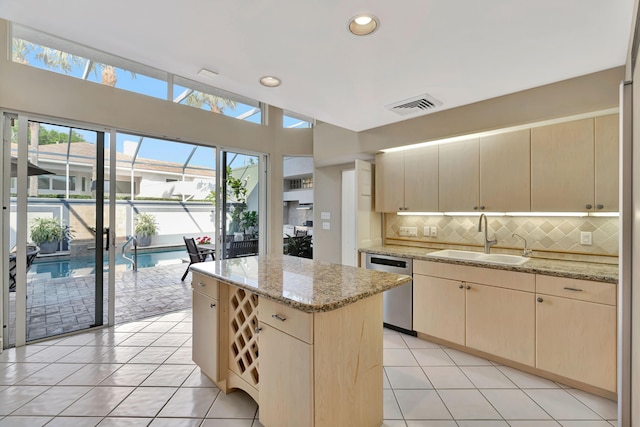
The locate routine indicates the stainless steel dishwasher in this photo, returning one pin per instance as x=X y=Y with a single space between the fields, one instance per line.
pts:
x=398 y=302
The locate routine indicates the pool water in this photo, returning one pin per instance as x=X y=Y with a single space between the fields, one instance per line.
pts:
x=82 y=266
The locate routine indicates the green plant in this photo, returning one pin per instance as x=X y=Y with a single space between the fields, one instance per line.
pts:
x=249 y=221
x=299 y=246
x=236 y=200
x=45 y=230
x=146 y=225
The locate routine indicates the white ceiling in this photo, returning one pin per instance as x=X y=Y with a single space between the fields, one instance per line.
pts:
x=458 y=51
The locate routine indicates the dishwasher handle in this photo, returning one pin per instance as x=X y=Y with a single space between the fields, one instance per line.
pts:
x=389 y=262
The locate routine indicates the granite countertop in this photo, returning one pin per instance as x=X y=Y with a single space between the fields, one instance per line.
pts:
x=304 y=284
x=571 y=269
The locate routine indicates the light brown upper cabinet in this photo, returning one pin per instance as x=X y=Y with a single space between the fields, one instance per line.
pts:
x=459 y=168
x=562 y=167
x=607 y=137
x=407 y=180
x=574 y=166
x=505 y=175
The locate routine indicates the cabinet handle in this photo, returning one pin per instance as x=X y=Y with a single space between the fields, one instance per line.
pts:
x=539 y=299
x=600 y=206
x=573 y=289
x=468 y=287
x=589 y=206
x=258 y=329
x=278 y=317
x=475 y=208
x=481 y=208
x=212 y=305
x=460 y=286
x=202 y=285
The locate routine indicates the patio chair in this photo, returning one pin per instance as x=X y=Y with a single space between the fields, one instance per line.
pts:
x=243 y=248
x=196 y=254
x=32 y=253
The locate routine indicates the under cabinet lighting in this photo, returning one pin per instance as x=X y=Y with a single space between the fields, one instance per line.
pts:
x=474 y=213
x=575 y=214
x=420 y=213
x=604 y=214
x=530 y=214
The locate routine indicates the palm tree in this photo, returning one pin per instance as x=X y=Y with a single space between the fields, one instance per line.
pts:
x=215 y=103
x=54 y=58
x=20 y=50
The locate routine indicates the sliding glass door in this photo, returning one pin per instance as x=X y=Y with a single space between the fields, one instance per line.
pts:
x=241 y=199
x=57 y=237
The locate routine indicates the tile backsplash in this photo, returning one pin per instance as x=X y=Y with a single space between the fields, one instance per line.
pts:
x=549 y=234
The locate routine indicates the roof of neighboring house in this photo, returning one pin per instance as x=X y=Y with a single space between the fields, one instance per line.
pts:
x=85 y=152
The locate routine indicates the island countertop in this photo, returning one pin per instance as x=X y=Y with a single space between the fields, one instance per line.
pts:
x=304 y=284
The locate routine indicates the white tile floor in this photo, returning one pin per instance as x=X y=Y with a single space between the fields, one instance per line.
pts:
x=141 y=374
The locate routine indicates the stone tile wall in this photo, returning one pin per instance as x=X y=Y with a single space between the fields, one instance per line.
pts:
x=550 y=234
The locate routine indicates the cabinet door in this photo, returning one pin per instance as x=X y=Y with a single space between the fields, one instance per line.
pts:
x=458 y=173
x=389 y=174
x=205 y=334
x=562 y=167
x=505 y=174
x=286 y=379
x=577 y=339
x=421 y=179
x=501 y=322
x=438 y=308
x=607 y=163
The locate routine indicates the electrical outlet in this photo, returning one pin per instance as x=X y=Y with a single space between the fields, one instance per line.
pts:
x=409 y=231
x=425 y=231
x=326 y=226
x=434 y=231
x=586 y=238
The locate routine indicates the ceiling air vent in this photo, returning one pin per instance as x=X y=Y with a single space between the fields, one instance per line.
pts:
x=416 y=105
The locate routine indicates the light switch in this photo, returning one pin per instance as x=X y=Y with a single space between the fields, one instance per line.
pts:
x=586 y=238
x=434 y=231
x=326 y=226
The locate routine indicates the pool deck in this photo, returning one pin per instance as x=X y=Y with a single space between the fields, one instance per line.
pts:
x=60 y=305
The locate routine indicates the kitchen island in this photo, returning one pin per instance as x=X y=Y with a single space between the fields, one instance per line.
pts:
x=303 y=338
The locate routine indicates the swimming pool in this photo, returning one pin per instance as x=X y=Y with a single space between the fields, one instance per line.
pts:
x=83 y=266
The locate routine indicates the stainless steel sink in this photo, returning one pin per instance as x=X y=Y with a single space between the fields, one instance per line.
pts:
x=480 y=257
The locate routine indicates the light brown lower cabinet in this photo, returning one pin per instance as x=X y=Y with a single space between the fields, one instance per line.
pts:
x=501 y=322
x=205 y=336
x=286 y=379
x=439 y=308
x=577 y=339
x=560 y=326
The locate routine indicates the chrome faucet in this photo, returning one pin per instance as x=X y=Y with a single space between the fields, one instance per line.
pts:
x=487 y=242
x=525 y=251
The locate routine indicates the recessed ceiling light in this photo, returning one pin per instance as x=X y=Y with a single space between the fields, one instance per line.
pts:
x=362 y=25
x=207 y=73
x=270 y=81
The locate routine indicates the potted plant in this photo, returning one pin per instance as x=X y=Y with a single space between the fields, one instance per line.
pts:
x=301 y=246
x=47 y=233
x=249 y=223
x=145 y=227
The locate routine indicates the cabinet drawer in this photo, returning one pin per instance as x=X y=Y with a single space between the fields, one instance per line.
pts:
x=485 y=276
x=204 y=284
x=584 y=290
x=286 y=319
